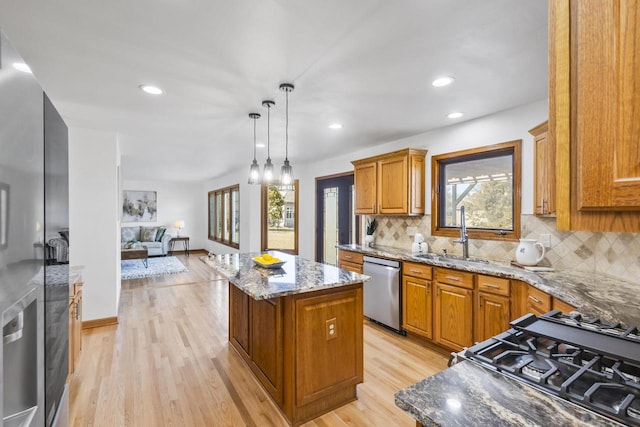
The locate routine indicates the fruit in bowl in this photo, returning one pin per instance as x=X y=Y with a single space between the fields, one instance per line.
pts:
x=266 y=259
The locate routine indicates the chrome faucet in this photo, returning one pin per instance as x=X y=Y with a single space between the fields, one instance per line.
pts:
x=464 y=238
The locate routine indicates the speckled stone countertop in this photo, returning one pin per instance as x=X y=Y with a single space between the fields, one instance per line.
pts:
x=469 y=395
x=593 y=295
x=297 y=275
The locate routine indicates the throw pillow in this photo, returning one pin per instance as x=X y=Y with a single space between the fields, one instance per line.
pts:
x=148 y=234
x=160 y=233
x=131 y=244
x=128 y=234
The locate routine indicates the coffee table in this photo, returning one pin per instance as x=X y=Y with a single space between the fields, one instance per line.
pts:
x=136 y=253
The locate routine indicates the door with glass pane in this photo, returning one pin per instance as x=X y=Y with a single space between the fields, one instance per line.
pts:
x=336 y=222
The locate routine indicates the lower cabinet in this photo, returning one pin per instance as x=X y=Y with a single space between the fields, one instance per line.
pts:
x=351 y=261
x=492 y=315
x=453 y=316
x=417 y=306
x=75 y=327
x=305 y=349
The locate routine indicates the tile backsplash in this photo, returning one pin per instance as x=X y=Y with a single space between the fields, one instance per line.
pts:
x=613 y=254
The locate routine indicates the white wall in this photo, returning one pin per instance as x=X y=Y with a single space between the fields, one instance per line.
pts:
x=500 y=127
x=176 y=200
x=94 y=157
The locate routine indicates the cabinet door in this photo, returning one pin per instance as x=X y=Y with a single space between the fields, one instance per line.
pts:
x=266 y=344
x=541 y=174
x=393 y=186
x=493 y=315
x=538 y=302
x=239 y=319
x=605 y=36
x=365 y=182
x=417 y=306
x=594 y=113
x=77 y=329
x=454 y=316
x=72 y=324
x=417 y=201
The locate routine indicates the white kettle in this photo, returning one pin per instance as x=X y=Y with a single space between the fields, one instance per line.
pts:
x=527 y=254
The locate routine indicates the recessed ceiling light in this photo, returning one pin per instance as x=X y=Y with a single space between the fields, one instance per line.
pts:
x=443 y=81
x=153 y=90
x=335 y=126
x=21 y=66
x=455 y=115
x=260 y=145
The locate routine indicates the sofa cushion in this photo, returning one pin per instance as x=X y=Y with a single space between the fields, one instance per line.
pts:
x=128 y=234
x=148 y=234
x=151 y=245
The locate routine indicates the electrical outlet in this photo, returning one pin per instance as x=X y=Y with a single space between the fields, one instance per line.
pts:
x=412 y=231
x=545 y=239
x=330 y=329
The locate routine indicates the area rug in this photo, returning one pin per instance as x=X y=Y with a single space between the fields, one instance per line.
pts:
x=135 y=269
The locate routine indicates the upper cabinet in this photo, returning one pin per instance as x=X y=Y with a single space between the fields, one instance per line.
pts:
x=544 y=199
x=391 y=184
x=594 y=113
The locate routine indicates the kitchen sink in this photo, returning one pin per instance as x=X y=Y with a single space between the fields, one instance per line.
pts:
x=450 y=256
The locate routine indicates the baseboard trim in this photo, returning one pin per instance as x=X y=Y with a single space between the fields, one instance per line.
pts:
x=96 y=323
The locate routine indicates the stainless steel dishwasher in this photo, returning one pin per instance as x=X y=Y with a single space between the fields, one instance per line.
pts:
x=382 y=292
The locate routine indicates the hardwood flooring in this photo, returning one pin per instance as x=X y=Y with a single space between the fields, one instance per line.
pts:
x=168 y=363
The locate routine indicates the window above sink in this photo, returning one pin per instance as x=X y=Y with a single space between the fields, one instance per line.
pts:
x=487 y=182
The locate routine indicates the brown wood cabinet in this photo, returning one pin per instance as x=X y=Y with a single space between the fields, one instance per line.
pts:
x=305 y=349
x=391 y=184
x=351 y=261
x=594 y=113
x=494 y=310
x=75 y=324
x=417 y=299
x=544 y=201
x=453 y=308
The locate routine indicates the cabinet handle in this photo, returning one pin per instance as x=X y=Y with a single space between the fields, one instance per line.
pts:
x=491 y=285
x=454 y=278
x=273 y=303
x=416 y=271
x=534 y=299
x=348 y=256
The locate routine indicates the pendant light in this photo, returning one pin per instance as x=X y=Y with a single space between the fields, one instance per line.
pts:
x=267 y=175
x=254 y=170
x=286 y=173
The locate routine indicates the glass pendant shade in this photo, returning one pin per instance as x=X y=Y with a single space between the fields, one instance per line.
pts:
x=286 y=173
x=254 y=170
x=254 y=173
x=267 y=175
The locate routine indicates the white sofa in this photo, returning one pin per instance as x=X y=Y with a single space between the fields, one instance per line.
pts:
x=156 y=242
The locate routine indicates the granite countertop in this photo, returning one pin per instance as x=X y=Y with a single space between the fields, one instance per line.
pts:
x=297 y=275
x=469 y=395
x=593 y=295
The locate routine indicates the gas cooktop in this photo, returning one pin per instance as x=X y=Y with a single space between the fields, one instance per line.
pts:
x=585 y=361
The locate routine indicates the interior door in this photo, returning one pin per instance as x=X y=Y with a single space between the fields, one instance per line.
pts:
x=336 y=222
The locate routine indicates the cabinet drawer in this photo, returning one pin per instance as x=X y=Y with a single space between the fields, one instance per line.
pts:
x=413 y=269
x=346 y=265
x=494 y=285
x=352 y=257
x=538 y=301
x=454 y=277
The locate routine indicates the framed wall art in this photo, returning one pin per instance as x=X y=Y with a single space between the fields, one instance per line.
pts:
x=139 y=206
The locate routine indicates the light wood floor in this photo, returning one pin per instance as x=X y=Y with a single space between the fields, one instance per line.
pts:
x=168 y=363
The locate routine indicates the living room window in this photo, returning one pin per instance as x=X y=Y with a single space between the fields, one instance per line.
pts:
x=224 y=216
x=486 y=181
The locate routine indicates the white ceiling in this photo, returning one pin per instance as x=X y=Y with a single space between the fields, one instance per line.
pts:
x=367 y=64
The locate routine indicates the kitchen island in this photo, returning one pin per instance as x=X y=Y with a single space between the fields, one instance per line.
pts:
x=299 y=328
